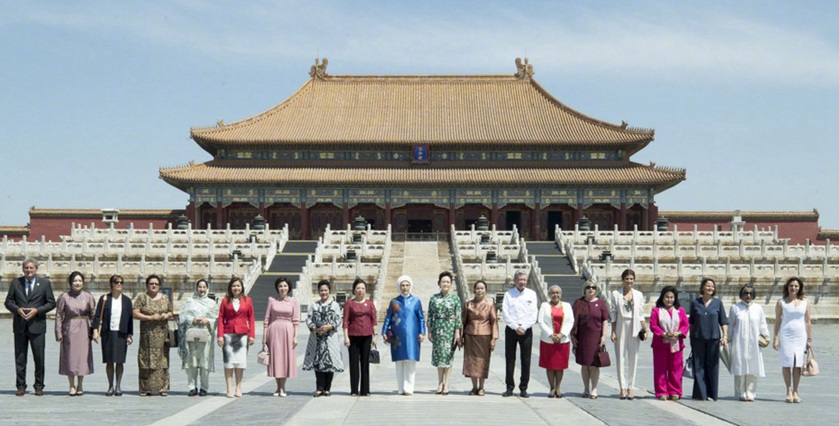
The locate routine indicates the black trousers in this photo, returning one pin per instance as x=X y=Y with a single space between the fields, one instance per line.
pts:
x=22 y=343
x=706 y=368
x=360 y=357
x=324 y=380
x=525 y=343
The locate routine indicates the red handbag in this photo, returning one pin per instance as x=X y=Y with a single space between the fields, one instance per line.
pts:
x=601 y=357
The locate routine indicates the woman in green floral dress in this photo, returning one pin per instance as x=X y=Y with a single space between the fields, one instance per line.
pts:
x=444 y=324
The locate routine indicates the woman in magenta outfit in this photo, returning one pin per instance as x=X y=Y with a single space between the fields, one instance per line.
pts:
x=281 y=319
x=669 y=326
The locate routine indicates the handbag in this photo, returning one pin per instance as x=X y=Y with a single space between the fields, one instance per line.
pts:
x=198 y=334
x=811 y=367
x=642 y=334
x=174 y=336
x=262 y=358
x=601 y=357
x=374 y=357
x=725 y=357
x=687 y=371
x=762 y=341
x=101 y=314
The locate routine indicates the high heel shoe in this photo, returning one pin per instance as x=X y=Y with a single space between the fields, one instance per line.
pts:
x=795 y=398
x=110 y=391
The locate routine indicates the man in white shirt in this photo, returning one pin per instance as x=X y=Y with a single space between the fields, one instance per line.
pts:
x=520 y=310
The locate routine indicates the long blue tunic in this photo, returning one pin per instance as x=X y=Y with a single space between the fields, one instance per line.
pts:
x=405 y=323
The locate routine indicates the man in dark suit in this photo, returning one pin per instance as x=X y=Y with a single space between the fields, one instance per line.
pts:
x=29 y=299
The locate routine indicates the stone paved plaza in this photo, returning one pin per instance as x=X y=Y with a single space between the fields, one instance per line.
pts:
x=258 y=407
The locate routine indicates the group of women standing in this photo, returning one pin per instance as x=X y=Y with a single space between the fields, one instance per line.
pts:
x=743 y=332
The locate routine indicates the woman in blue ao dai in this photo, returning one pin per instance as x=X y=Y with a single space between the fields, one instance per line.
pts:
x=404 y=331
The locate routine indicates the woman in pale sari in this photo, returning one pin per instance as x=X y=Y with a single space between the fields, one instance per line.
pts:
x=199 y=313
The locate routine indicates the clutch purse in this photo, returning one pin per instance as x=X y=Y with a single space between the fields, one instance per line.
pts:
x=262 y=356
x=642 y=334
x=762 y=341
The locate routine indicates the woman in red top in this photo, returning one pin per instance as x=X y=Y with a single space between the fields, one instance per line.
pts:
x=359 y=335
x=235 y=324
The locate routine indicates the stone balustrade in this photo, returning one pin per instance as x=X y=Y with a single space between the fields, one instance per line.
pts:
x=675 y=236
x=92 y=233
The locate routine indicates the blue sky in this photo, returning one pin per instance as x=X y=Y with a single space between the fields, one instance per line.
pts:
x=96 y=96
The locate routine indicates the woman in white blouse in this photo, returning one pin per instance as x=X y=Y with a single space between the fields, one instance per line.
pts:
x=555 y=321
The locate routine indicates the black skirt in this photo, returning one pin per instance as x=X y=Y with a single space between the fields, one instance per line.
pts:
x=114 y=347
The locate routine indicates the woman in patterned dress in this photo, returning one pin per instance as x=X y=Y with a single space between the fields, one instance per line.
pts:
x=323 y=352
x=444 y=324
x=153 y=310
x=73 y=315
x=198 y=358
x=480 y=331
x=280 y=335
x=404 y=330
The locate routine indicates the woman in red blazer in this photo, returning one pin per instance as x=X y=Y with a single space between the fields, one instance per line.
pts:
x=235 y=323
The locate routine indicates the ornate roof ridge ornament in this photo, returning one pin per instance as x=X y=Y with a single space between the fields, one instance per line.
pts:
x=318 y=70
x=524 y=70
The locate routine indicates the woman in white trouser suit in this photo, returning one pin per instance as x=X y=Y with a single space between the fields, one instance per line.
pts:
x=626 y=310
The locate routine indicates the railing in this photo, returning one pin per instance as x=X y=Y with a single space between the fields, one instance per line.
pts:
x=674 y=236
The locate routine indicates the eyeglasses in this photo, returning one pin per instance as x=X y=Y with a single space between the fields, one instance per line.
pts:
x=591 y=287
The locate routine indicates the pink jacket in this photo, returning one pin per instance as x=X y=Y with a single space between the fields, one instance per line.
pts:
x=658 y=331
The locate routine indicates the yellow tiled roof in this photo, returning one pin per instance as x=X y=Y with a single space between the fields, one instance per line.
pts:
x=632 y=174
x=488 y=109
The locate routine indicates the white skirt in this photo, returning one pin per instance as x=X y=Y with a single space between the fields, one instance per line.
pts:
x=235 y=351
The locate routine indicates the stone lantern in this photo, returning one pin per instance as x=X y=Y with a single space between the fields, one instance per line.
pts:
x=662 y=224
x=584 y=224
x=182 y=222
x=482 y=226
x=258 y=223
x=358 y=228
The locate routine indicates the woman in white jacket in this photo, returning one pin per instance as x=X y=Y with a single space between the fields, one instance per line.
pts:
x=746 y=326
x=556 y=321
x=626 y=309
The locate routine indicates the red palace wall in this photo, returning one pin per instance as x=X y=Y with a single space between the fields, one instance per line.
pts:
x=798 y=231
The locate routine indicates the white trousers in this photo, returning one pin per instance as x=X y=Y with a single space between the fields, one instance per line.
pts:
x=192 y=376
x=406 y=372
x=745 y=386
x=626 y=353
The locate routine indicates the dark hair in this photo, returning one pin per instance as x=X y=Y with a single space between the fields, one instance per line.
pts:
x=320 y=284
x=626 y=273
x=445 y=274
x=474 y=286
x=200 y=280
x=154 y=276
x=73 y=275
x=281 y=279
x=668 y=289
x=748 y=286
x=800 y=294
x=705 y=281
x=357 y=282
x=230 y=289
x=114 y=278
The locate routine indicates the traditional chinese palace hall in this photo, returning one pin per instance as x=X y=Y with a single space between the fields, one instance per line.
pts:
x=422 y=153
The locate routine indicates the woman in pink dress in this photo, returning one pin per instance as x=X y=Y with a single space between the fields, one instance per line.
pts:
x=669 y=325
x=280 y=336
x=73 y=315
